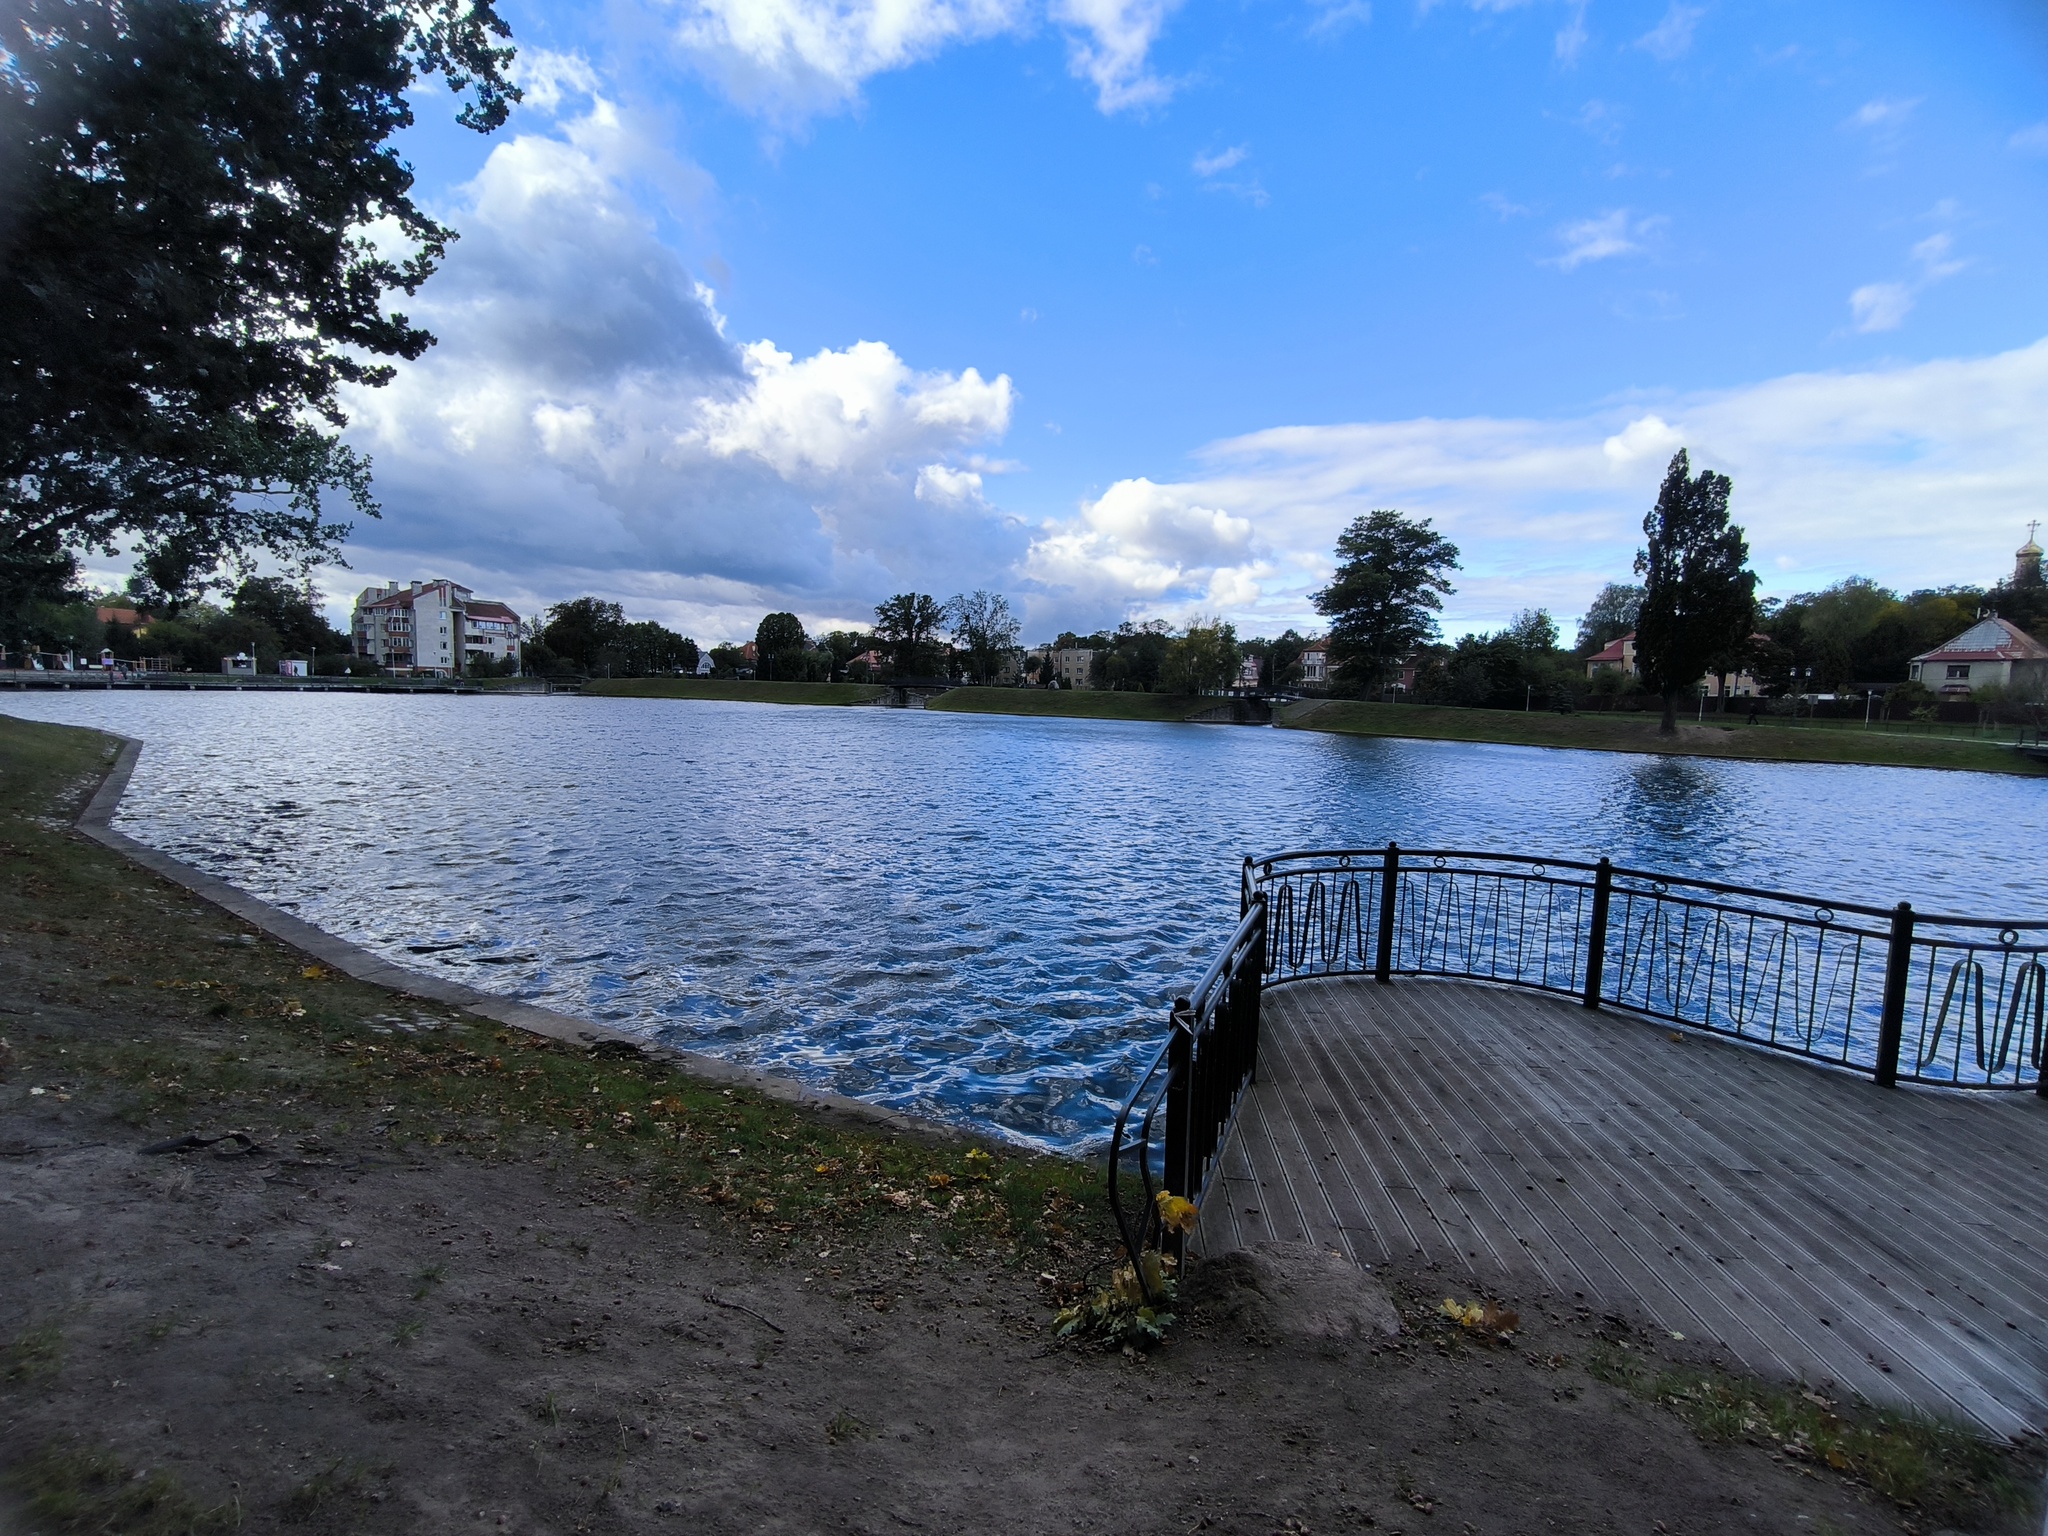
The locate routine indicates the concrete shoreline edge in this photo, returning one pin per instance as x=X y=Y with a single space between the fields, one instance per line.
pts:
x=96 y=822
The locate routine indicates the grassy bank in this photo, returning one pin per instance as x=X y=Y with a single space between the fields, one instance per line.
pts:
x=732 y=690
x=248 y=1026
x=1073 y=703
x=1639 y=733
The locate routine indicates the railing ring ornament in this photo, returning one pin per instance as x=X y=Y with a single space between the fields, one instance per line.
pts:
x=1343 y=861
x=2008 y=937
x=1823 y=915
x=1661 y=887
x=1440 y=862
x=1539 y=869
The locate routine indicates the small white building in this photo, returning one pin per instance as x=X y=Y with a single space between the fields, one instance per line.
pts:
x=1315 y=663
x=289 y=668
x=241 y=664
x=1992 y=652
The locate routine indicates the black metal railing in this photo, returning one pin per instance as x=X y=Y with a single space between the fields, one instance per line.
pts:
x=1956 y=1002
x=1170 y=1132
x=1903 y=996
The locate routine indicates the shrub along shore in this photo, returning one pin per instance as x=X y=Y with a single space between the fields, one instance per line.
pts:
x=1769 y=740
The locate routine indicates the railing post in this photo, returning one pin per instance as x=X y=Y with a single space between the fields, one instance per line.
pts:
x=1596 y=937
x=1180 y=1084
x=1898 y=966
x=1390 y=875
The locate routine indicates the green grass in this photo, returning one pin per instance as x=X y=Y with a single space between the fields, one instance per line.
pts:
x=250 y=1033
x=1919 y=1463
x=1076 y=703
x=1639 y=733
x=71 y=1488
x=742 y=690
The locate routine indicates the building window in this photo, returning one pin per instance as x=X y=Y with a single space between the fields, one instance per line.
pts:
x=1959 y=672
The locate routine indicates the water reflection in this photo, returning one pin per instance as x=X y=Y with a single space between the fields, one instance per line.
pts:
x=977 y=917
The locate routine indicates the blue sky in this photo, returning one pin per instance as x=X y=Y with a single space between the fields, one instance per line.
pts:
x=1125 y=307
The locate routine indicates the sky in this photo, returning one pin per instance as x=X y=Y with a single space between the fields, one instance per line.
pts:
x=1126 y=307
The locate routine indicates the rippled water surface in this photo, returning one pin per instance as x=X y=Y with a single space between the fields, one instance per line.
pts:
x=971 y=916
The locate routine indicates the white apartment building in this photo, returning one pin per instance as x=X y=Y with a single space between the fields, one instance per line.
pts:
x=432 y=628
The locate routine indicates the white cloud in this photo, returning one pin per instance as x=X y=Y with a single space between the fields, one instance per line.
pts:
x=1108 y=44
x=1222 y=160
x=1603 y=237
x=2031 y=140
x=1572 y=37
x=796 y=56
x=1154 y=543
x=1880 y=306
x=585 y=423
x=1835 y=474
x=1502 y=207
x=1884 y=306
x=1671 y=38
x=789 y=59
x=1335 y=17
x=1882 y=113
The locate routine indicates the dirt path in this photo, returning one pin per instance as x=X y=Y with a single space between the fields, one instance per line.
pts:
x=474 y=1283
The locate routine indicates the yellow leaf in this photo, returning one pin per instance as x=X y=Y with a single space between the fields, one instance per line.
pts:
x=1175 y=1214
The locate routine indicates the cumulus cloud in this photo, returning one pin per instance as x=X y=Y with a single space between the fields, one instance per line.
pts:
x=586 y=421
x=1671 y=38
x=789 y=59
x=1109 y=43
x=2032 y=140
x=1882 y=112
x=1156 y=544
x=1222 y=160
x=1835 y=474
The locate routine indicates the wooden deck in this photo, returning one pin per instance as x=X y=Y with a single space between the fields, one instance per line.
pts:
x=1893 y=1243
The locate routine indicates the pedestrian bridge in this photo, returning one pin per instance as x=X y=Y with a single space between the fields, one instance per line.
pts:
x=1697 y=1126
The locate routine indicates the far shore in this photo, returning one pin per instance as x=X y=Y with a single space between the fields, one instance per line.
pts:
x=1770 y=740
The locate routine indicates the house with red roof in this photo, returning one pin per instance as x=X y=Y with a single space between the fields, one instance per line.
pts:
x=1992 y=652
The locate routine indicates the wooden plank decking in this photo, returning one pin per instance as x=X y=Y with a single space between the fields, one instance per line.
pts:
x=1893 y=1243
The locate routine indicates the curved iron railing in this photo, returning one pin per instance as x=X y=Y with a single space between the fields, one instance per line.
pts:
x=1196 y=1081
x=1956 y=1001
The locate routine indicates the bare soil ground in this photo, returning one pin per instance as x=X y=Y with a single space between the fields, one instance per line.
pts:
x=469 y=1282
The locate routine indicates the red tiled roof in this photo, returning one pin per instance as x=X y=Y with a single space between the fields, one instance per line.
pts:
x=1614 y=651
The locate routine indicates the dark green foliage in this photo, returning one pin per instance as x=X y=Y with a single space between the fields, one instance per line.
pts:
x=986 y=630
x=1699 y=596
x=590 y=635
x=1613 y=613
x=779 y=645
x=297 y=623
x=1392 y=577
x=184 y=281
x=582 y=629
x=908 y=625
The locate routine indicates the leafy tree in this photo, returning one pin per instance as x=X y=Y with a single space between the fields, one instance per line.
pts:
x=290 y=613
x=727 y=660
x=1613 y=614
x=185 y=277
x=33 y=575
x=1392 y=577
x=908 y=624
x=986 y=628
x=648 y=649
x=779 y=642
x=1532 y=631
x=1699 y=597
x=582 y=630
x=1203 y=659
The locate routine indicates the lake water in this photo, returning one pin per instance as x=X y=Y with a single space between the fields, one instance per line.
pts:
x=974 y=917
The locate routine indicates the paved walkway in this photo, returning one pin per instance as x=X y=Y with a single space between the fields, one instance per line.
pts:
x=1893 y=1243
